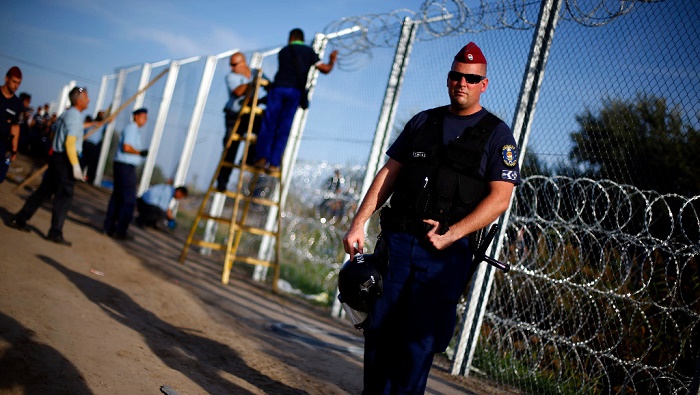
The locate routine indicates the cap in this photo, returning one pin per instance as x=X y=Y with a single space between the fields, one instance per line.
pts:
x=140 y=111
x=14 y=71
x=471 y=53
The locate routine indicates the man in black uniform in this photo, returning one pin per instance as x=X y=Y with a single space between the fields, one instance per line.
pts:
x=287 y=93
x=10 y=109
x=451 y=172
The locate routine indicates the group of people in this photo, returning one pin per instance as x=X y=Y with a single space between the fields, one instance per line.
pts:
x=35 y=128
x=450 y=173
x=22 y=130
x=65 y=167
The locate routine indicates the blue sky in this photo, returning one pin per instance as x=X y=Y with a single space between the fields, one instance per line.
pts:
x=54 y=42
x=82 y=40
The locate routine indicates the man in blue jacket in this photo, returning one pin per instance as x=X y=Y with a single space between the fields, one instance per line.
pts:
x=154 y=205
x=130 y=154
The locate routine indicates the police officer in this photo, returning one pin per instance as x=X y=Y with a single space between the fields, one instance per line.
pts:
x=10 y=109
x=129 y=154
x=63 y=169
x=450 y=173
x=154 y=205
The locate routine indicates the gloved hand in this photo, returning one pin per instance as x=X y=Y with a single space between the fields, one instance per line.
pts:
x=143 y=152
x=77 y=172
x=172 y=224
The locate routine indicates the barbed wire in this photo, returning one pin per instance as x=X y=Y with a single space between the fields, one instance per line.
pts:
x=601 y=281
x=440 y=18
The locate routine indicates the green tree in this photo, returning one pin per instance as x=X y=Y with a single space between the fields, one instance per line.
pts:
x=643 y=142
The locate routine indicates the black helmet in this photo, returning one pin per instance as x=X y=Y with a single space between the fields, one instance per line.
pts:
x=359 y=284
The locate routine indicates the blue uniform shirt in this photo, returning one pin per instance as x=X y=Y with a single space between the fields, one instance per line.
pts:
x=159 y=196
x=499 y=161
x=233 y=81
x=131 y=136
x=96 y=137
x=70 y=123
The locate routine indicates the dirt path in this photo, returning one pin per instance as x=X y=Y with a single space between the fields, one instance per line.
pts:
x=124 y=317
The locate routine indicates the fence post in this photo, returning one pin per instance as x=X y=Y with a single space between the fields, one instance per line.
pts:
x=386 y=116
x=109 y=131
x=101 y=93
x=159 y=125
x=695 y=385
x=529 y=91
x=196 y=120
x=191 y=137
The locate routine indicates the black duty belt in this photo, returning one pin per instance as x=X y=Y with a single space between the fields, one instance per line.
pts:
x=392 y=222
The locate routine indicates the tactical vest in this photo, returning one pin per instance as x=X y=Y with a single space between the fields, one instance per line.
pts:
x=439 y=181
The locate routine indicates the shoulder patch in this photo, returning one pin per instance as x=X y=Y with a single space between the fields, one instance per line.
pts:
x=510 y=155
x=510 y=175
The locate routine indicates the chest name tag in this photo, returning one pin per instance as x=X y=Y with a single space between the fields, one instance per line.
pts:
x=419 y=154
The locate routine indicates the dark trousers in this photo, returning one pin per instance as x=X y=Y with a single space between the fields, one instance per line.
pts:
x=416 y=315
x=4 y=150
x=149 y=215
x=58 y=180
x=91 y=155
x=230 y=121
x=282 y=103
x=120 y=211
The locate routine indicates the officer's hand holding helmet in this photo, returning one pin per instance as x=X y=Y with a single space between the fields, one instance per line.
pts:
x=359 y=285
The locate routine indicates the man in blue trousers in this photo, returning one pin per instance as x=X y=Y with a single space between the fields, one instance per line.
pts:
x=130 y=154
x=450 y=173
x=286 y=94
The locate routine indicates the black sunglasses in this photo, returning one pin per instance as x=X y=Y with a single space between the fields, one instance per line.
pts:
x=456 y=76
x=233 y=64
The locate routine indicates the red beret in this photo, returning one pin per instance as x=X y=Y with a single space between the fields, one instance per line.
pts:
x=471 y=53
x=14 y=71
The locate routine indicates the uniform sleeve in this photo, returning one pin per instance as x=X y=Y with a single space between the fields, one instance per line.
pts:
x=130 y=136
x=502 y=161
x=231 y=82
x=75 y=125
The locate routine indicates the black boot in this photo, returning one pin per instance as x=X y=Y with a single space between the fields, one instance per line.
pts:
x=57 y=237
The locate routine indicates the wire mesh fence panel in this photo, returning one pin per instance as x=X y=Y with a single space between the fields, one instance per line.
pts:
x=177 y=121
x=603 y=296
x=130 y=88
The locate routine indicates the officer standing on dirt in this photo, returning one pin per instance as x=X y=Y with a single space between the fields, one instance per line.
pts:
x=130 y=154
x=62 y=172
x=450 y=173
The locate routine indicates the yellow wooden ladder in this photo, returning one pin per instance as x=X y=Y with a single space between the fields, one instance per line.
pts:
x=241 y=201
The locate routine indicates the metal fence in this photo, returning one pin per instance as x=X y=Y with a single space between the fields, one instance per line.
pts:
x=603 y=98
